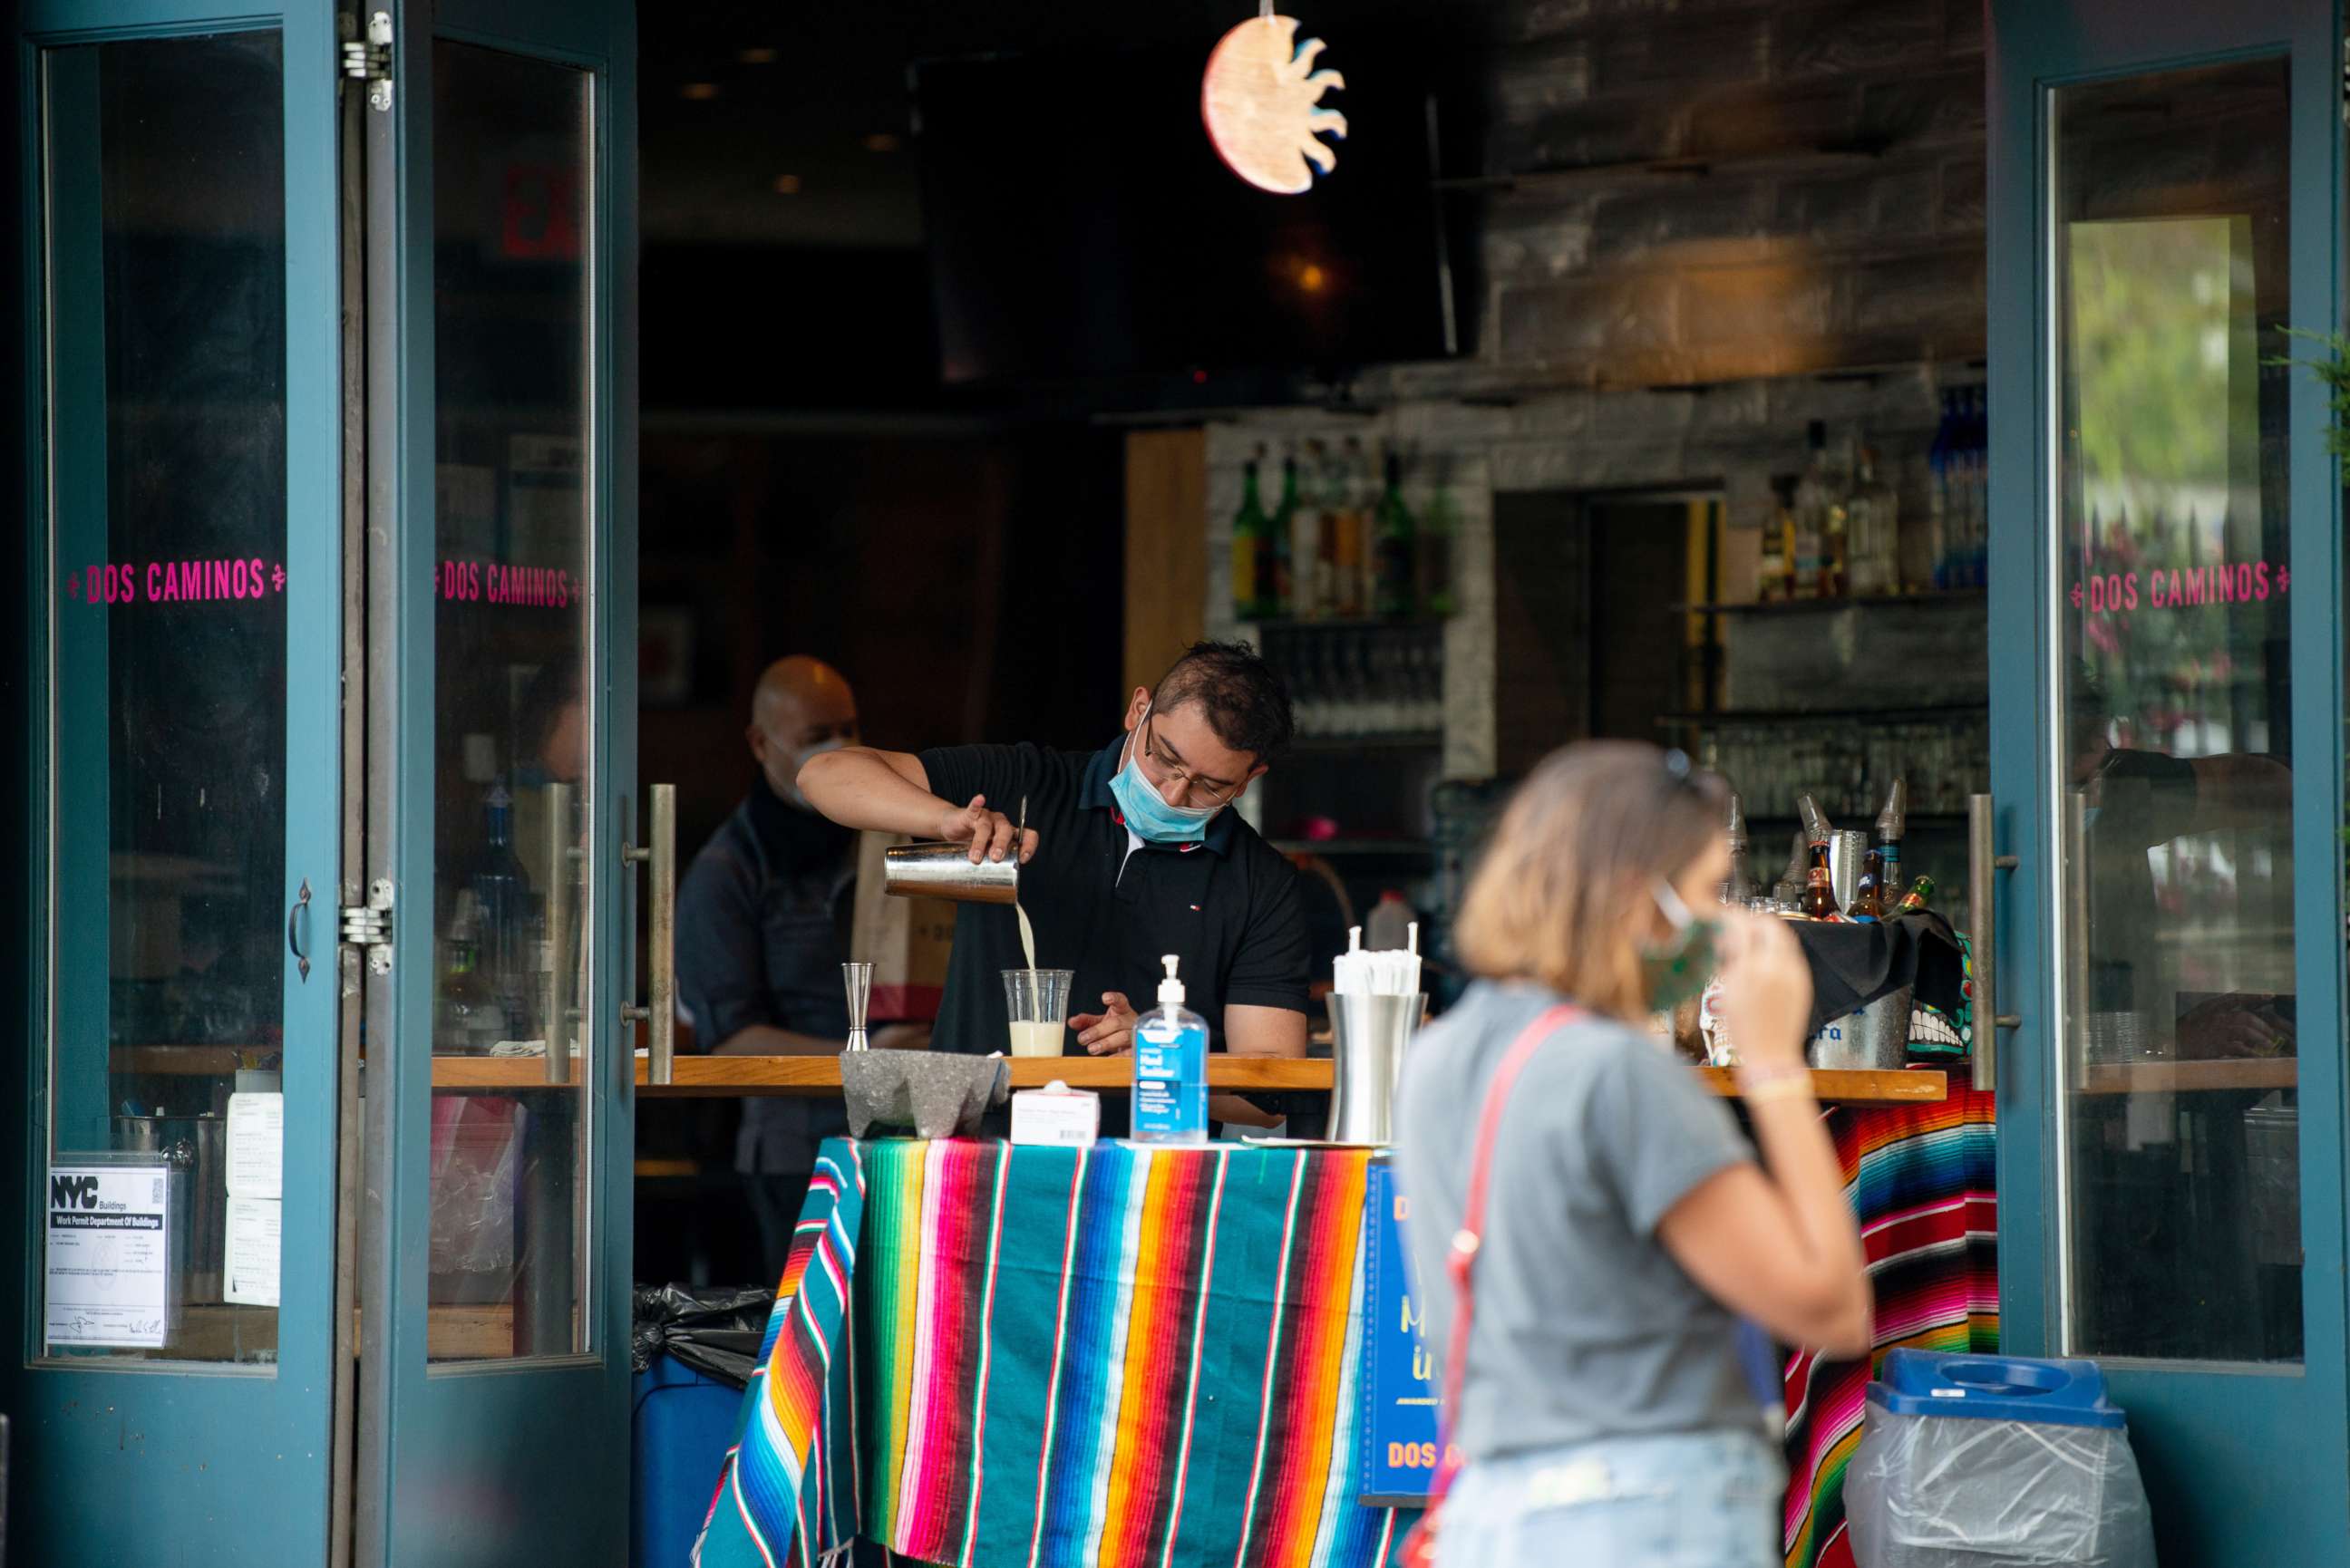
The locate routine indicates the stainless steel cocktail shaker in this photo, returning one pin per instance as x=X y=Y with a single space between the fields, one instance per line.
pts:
x=946 y=871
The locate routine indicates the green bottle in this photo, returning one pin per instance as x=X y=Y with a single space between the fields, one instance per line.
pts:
x=1439 y=525
x=1284 y=521
x=1393 y=536
x=1252 y=551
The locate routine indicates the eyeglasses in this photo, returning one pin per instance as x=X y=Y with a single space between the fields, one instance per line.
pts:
x=1217 y=792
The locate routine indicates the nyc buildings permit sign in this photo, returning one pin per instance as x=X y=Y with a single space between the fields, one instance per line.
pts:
x=1398 y=1377
x=109 y=1263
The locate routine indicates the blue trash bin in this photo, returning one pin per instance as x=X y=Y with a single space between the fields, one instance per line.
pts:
x=1984 y=1461
x=684 y=1420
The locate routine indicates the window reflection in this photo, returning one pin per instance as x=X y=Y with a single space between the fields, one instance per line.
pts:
x=166 y=342
x=2181 y=1114
x=513 y=748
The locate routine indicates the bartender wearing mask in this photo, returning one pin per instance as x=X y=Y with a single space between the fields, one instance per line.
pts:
x=762 y=930
x=1132 y=852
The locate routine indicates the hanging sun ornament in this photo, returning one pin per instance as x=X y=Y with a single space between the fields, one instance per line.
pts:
x=1260 y=99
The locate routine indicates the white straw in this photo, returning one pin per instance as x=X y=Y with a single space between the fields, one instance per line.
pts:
x=1411 y=938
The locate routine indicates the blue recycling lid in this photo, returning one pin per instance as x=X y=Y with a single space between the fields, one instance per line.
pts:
x=1995 y=1388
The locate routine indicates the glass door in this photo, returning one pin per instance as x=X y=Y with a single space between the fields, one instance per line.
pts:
x=2166 y=678
x=183 y=449
x=495 y=1422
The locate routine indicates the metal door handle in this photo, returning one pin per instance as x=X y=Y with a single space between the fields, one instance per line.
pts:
x=660 y=1012
x=297 y=923
x=662 y=994
x=560 y=858
x=1982 y=912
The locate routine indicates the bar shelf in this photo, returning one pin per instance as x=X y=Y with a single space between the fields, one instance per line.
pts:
x=2240 y=1075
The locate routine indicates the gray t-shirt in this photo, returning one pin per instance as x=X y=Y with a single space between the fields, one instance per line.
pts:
x=1585 y=1326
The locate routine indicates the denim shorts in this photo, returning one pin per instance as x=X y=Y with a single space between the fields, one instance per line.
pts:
x=1688 y=1500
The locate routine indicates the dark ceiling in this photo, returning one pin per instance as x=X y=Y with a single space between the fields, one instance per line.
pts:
x=818 y=92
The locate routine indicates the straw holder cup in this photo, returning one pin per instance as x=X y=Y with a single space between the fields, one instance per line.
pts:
x=945 y=871
x=1367 y=1037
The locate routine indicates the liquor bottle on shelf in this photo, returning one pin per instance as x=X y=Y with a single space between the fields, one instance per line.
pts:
x=1740 y=886
x=1308 y=598
x=1394 y=537
x=1836 y=532
x=1326 y=591
x=1960 y=500
x=1251 y=548
x=1439 y=525
x=1774 y=578
x=1920 y=894
x=1819 y=892
x=1346 y=537
x=1820 y=521
x=509 y=948
x=1284 y=523
x=1874 y=531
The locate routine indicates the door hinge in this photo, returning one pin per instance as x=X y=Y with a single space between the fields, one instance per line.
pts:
x=367 y=926
x=368 y=60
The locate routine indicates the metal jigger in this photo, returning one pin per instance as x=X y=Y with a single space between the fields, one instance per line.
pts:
x=858 y=980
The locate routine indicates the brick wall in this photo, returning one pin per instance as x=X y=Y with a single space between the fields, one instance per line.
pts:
x=1701 y=226
x=1712 y=190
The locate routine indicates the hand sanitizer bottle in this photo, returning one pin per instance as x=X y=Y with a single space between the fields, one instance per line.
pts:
x=1171 y=1069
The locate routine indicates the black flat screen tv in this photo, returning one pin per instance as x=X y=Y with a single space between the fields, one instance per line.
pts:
x=1081 y=226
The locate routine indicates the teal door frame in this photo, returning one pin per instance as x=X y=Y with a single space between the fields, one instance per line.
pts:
x=114 y=1460
x=482 y=1463
x=2244 y=1464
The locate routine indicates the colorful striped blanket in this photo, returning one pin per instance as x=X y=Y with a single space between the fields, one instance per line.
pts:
x=989 y=1355
x=1923 y=1181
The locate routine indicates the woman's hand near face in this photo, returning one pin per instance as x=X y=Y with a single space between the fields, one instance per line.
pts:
x=1778 y=1243
x=1766 y=988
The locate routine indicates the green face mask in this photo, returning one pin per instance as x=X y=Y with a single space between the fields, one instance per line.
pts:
x=1678 y=968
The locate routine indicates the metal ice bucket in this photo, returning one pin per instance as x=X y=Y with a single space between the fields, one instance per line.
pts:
x=1368 y=1038
x=945 y=871
x=1875 y=1038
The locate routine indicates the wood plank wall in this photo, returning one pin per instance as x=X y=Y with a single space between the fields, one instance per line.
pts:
x=1166 y=549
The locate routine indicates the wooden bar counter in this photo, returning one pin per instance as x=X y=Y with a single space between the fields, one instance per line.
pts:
x=728 y=1077
x=731 y=1076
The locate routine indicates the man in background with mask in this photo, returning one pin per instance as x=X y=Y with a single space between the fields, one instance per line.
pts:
x=1132 y=852
x=763 y=917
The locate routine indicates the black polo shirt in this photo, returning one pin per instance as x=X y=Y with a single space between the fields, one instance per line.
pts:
x=1228 y=907
x=761 y=930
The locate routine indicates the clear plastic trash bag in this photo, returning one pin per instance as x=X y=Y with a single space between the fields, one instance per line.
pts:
x=1934 y=1492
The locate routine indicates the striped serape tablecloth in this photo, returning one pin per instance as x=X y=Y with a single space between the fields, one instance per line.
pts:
x=1923 y=1180
x=989 y=1355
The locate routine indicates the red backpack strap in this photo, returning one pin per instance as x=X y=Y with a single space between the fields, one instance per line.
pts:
x=1472 y=1234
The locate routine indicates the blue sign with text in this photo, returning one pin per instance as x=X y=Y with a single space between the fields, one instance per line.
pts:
x=1398 y=1376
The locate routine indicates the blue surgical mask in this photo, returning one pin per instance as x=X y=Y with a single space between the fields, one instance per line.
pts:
x=1146 y=811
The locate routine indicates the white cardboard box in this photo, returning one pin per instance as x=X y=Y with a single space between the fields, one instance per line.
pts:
x=1056 y=1116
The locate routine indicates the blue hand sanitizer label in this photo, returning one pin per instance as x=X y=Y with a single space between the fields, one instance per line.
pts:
x=1170 y=1079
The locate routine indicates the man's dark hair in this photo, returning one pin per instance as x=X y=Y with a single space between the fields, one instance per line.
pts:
x=1244 y=698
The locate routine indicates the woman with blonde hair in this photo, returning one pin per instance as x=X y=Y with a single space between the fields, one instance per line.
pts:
x=1596 y=1397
